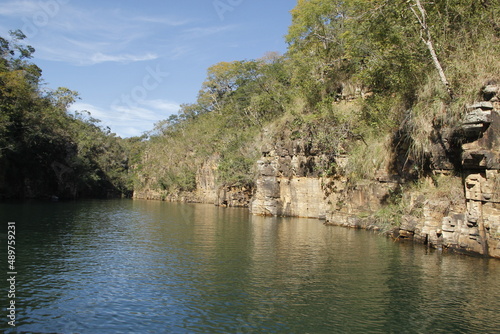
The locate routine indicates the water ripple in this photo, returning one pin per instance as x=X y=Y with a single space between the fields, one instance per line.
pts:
x=151 y=267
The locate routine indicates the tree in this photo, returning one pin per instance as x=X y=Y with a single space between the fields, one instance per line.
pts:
x=316 y=47
x=43 y=149
x=253 y=90
x=426 y=37
x=222 y=80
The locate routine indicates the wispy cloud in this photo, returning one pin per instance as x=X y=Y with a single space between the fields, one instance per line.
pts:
x=124 y=58
x=83 y=36
x=19 y=8
x=86 y=36
x=128 y=121
x=86 y=57
x=162 y=105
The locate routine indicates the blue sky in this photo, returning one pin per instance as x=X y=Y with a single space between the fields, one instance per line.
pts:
x=134 y=62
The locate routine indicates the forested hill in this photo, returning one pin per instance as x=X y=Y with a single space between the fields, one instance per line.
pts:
x=44 y=150
x=356 y=73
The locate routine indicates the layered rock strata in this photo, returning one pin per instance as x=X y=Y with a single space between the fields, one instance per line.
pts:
x=473 y=226
x=288 y=182
x=208 y=190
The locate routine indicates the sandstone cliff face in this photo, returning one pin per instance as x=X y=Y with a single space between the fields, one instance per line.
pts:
x=208 y=190
x=288 y=184
x=474 y=225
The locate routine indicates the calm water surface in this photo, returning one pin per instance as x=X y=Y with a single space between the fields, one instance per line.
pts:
x=152 y=267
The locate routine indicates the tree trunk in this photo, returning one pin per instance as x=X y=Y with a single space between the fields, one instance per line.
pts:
x=428 y=42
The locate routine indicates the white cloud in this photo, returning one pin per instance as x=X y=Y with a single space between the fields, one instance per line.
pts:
x=66 y=31
x=163 y=105
x=124 y=58
x=61 y=31
x=83 y=57
x=128 y=121
x=19 y=8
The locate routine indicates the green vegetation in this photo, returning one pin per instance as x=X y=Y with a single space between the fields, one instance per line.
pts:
x=443 y=191
x=360 y=77
x=367 y=79
x=237 y=99
x=44 y=150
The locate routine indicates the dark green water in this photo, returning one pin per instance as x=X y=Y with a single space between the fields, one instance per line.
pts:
x=153 y=267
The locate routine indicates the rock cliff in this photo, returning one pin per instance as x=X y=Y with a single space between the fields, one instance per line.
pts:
x=208 y=190
x=288 y=184
x=290 y=181
x=473 y=225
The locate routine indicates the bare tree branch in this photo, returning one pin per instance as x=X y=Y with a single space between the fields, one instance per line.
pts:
x=421 y=17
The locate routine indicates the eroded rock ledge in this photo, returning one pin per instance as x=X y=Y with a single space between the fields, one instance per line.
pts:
x=288 y=182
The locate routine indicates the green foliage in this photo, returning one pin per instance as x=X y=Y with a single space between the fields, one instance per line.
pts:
x=44 y=150
x=377 y=47
x=356 y=72
x=368 y=43
x=236 y=100
x=182 y=180
x=236 y=170
x=254 y=90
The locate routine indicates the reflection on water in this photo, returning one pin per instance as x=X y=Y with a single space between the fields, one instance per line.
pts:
x=154 y=267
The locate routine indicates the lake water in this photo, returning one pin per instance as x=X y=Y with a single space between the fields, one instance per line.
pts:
x=126 y=266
